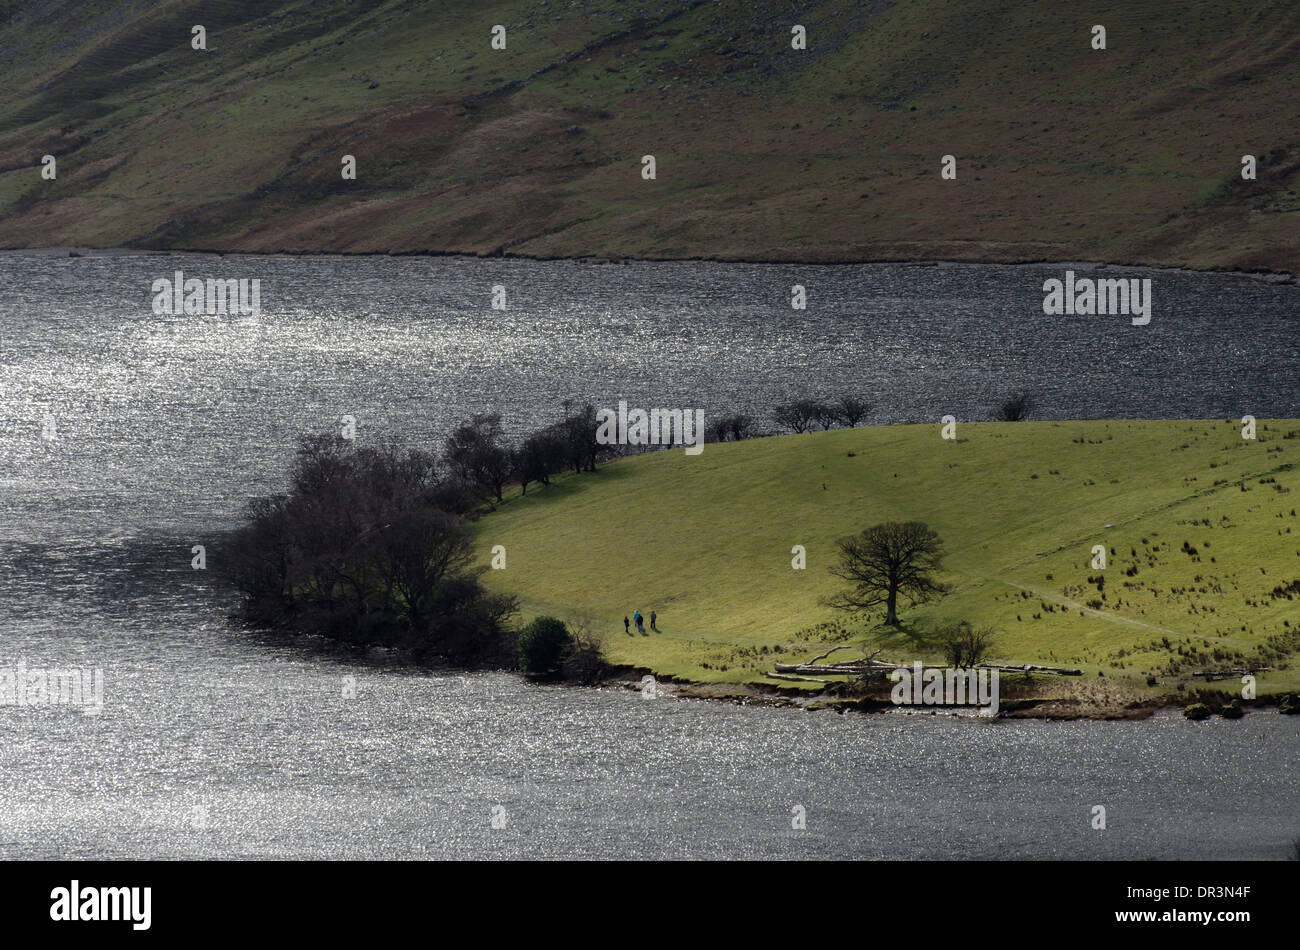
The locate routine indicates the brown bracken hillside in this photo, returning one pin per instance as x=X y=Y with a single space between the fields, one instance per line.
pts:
x=1131 y=154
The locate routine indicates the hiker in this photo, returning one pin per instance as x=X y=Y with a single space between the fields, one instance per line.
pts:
x=627 y=627
x=640 y=622
x=653 y=618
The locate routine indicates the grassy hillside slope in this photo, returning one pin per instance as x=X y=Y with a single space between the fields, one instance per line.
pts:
x=1131 y=154
x=1201 y=526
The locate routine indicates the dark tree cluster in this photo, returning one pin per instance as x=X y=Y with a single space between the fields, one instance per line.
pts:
x=483 y=463
x=372 y=547
x=803 y=415
x=731 y=428
x=367 y=549
x=1014 y=408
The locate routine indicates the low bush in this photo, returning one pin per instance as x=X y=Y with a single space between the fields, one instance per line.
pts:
x=543 y=646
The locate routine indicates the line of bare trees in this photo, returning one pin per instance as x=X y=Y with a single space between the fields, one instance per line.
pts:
x=483 y=462
x=800 y=415
x=804 y=415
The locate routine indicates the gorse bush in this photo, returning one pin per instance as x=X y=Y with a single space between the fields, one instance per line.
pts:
x=543 y=646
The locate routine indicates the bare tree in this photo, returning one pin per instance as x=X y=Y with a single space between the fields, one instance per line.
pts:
x=539 y=457
x=887 y=560
x=476 y=453
x=416 y=554
x=797 y=416
x=826 y=415
x=965 y=646
x=583 y=661
x=715 y=431
x=850 y=411
x=578 y=432
x=730 y=428
x=1015 y=408
x=740 y=426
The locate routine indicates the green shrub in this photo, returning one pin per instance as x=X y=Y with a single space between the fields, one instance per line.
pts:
x=1197 y=711
x=543 y=645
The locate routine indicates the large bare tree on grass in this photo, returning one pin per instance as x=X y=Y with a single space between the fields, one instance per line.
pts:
x=886 y=561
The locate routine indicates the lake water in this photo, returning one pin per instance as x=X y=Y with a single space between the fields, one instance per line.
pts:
x=215 y=743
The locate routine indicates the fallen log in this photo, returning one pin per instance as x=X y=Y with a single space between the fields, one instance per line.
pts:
x=797 y=679
x=1030 y=668
x=1215 y=674
x=865 y=667
x=838 y=669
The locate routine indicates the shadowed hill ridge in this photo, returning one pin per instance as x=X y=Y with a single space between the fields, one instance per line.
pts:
x=1129 y=154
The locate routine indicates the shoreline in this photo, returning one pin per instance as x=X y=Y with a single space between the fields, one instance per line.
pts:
x=1043 y=709
x=1049 y=708
x=1264 y=275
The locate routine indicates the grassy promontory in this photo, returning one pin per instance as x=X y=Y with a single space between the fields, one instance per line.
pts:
x=1201 y=528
